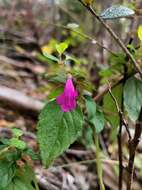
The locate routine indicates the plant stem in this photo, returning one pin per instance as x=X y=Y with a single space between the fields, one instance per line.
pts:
x=122 y=122
x=99 y=163
x=121 y=114
x=115 y=37
x=119 y=136
x=36 y=184
x=132 y=151
x=120 y=156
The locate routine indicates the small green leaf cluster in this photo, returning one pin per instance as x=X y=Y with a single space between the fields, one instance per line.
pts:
x=15 y=164
x=15 y=141
x=15 y=171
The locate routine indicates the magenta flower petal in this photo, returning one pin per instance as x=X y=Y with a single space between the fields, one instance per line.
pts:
x=67 y=100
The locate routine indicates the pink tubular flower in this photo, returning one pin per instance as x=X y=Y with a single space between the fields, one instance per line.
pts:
x=67 y=100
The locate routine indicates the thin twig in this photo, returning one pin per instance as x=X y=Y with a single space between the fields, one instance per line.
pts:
x=112 y=84
x=114 y=35
x=120 y=112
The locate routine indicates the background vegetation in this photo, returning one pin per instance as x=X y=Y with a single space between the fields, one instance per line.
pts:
x=40 y=42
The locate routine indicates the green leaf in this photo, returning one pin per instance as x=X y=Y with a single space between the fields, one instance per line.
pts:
x=117 y=11
x=119 y=58
x=56 y=78
x=4 y=141
x=23 y=180
x=57 y=130
x=71 y=58
x=55 y=93
x=98 y=121
x=106 y=72
x=133 y=97
x=27 y=176
x=32 y=154
x=17 y=132
x=61 y=47
x=7 y=172
x=140 y=32
x=12 y=155
x=95 y=116
x=18 y=184
x=131 y=48
x=110 y=107
x=88 y=137
x=90 y=106
x=51 y=57
x=18 y=143
x=116 y=65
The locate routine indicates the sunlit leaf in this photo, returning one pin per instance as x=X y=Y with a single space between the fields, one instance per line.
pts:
x=17 y=132
x=51 y=57
x=61 y=47
x=18 y=143
x=140 y=32
x=115 y=12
